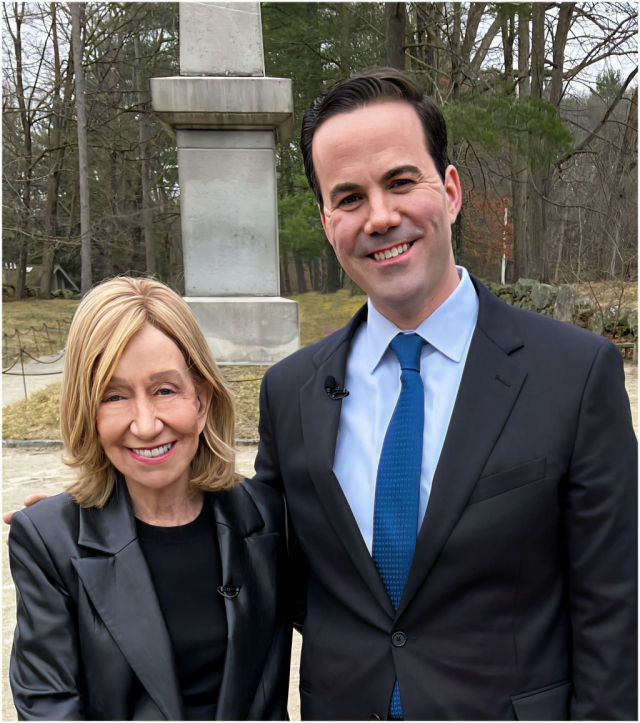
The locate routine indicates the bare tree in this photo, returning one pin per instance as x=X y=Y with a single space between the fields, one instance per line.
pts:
x=77 y=14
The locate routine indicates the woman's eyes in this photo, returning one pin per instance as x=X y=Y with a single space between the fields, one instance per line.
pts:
x=163 y=392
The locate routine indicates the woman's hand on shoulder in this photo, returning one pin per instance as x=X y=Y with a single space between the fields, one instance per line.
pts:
x=28 y=501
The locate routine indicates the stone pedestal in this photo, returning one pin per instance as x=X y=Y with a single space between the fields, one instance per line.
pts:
x=226 y=130
x=248 y=330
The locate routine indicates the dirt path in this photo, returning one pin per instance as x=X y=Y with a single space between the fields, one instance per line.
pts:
x=27 y=471
x=48 y=371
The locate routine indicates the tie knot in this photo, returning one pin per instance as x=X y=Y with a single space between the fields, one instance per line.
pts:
x=407 y=348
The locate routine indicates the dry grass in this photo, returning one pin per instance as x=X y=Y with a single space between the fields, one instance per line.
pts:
x=37 y=417
x=610 y=292
x=323 y=313
x=245 y=387
x=34 y=314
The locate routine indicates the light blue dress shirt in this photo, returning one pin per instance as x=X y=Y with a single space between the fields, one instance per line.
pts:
x=373 y=381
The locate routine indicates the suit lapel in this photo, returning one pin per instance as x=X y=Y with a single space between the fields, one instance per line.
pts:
x=247 y=564
x=320 y=420
x=489 y=387
x=120 y=588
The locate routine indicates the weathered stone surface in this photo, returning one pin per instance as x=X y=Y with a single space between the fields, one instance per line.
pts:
x=221 y=38
x=229 y=215
x=522 y=288
x=233 y=103
x=563 y=308
x=542 y=296
x=587 y=315
x=241 y=330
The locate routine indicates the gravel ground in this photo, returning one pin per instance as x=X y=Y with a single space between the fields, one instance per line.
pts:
x=32 y=470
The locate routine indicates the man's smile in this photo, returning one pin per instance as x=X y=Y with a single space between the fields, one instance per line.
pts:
x=391 y=252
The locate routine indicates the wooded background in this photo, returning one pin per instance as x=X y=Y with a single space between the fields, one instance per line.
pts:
x=541 y=101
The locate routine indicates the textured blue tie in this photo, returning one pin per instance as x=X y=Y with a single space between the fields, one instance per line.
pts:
x=395 y=517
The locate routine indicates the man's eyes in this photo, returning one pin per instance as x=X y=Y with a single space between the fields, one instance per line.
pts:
x=354 y=198
x=399 y=182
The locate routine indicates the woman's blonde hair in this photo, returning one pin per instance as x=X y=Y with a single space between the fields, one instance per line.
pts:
x=104 y=322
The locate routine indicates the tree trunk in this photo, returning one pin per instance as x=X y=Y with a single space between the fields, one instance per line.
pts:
x=143 y=165
x=536 y=226
x=519 y=170
x=26 y=122
x=57 y=140
x=285 y=281
x=316 y=274
x=302 y=282
x=77 y=14
x=346 y=19
x=395 y=26
x=331 y=271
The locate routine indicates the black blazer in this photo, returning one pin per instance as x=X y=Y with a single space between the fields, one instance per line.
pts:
x=521 y=601
x=91 y=642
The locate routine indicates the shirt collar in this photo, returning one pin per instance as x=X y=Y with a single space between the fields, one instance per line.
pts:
x=448 y=329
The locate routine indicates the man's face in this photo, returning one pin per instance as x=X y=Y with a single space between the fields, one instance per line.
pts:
x=386 y=211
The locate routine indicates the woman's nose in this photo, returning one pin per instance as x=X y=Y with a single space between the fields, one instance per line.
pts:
x=146 y=423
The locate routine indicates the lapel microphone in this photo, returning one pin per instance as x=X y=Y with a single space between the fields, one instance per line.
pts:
x=228 y=592
x=333 y=390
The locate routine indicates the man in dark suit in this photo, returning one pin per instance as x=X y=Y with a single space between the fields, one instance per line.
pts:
x=465 y=517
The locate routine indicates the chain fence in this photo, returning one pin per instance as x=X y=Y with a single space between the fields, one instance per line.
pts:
x=36 y=341
x=20 y=347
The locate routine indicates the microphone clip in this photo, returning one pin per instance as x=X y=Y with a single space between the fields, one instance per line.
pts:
x=333 y=390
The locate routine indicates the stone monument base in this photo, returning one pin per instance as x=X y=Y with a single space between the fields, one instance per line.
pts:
x=248 y=329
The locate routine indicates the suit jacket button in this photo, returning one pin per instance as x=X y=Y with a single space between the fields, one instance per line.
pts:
x=398 y=639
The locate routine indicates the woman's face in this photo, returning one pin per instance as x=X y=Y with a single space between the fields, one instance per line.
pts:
x=151 y=415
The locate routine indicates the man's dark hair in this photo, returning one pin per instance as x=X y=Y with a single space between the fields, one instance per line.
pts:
x=374 y=86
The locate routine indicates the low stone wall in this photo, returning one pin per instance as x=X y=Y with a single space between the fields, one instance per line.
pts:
x=563 y=303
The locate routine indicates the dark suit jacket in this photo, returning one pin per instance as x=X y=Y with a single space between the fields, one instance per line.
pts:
x=91 y=642
x=521 y=599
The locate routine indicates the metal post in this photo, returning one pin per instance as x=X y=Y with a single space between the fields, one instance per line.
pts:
x=24 y=378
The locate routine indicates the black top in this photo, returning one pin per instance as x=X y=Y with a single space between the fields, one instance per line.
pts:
x=185 y=567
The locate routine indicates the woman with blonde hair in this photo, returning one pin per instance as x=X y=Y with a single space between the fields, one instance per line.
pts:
x=152 y=589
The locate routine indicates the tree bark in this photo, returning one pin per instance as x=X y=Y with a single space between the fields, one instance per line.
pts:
x=26 y=122
x=57 y=131
x=395 y=26
x=77 y=14
x=330 y=271
x=143 y=165
x=519 y=170
x=299 y=266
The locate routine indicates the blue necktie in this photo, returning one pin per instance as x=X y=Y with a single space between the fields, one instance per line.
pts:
x=395 y=517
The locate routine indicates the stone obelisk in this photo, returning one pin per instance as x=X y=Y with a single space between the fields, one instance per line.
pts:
x=227 y=118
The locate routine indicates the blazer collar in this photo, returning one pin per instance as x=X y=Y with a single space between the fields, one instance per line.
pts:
x=320 y=420
x=490 y=385
x=251 y=609
x=111 y=528
x=119 y=585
